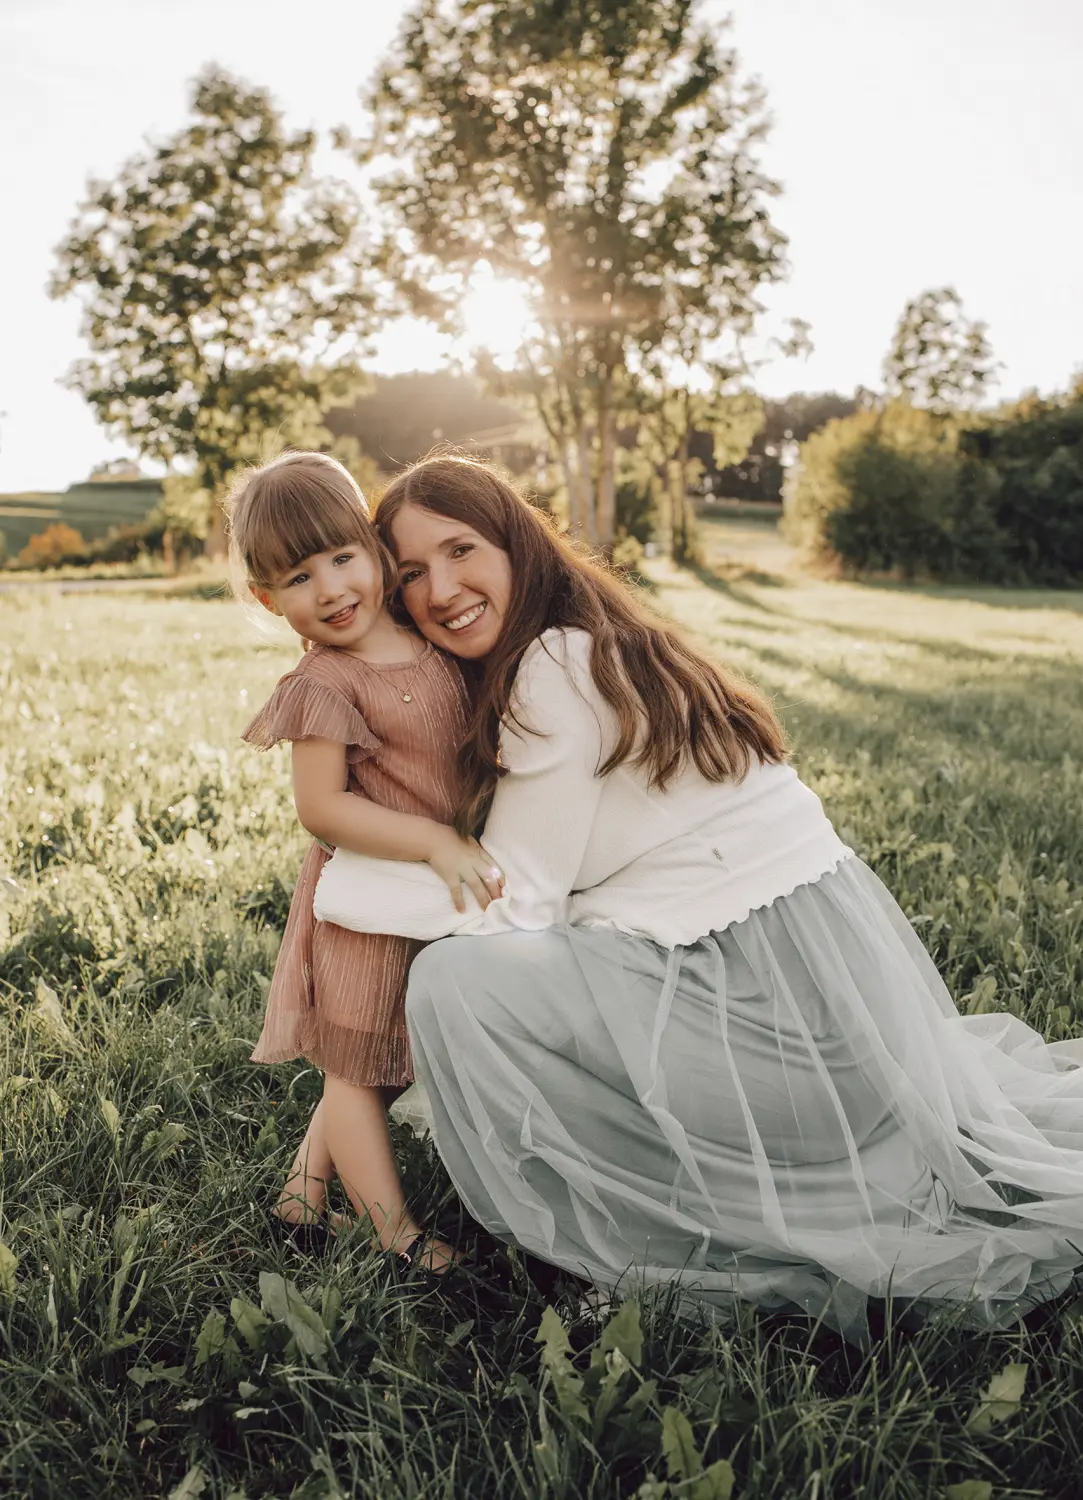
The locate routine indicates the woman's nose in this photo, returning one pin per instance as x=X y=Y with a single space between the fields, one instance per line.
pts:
x=443 y=586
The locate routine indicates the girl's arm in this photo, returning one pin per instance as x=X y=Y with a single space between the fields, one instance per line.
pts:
x=542 y=817
x=331 y=813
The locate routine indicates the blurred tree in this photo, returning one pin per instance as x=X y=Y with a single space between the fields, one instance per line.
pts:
x=113 y=469
x=671 y=418
x=215 y=285
x=758 y=473
x=400 y=418
x=939 y=359
x=51 y=546
x=181 y=518
x=604 y=156
x=1035 y=447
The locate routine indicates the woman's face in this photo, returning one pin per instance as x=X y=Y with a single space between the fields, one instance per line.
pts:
x=455 y=584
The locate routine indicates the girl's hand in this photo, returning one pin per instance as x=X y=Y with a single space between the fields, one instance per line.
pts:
x=460 y=862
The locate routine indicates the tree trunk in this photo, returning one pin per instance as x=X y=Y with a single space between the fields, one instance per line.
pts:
x=607 y=462
x=215 y=544
x=674 y=512
x=571 y=484
x=586 y=488
x=682 y=488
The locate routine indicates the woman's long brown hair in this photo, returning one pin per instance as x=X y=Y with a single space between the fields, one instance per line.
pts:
x=640 y=665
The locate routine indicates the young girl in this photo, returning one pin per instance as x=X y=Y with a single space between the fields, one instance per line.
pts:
x=375 y=715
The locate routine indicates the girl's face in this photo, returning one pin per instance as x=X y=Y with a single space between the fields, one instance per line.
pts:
x=455 y=584
x=333 y=598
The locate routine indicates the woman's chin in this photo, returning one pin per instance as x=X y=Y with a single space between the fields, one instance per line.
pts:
x=469 y=644
x=470 y=649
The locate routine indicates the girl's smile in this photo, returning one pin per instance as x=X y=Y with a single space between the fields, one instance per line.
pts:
x=333 y=598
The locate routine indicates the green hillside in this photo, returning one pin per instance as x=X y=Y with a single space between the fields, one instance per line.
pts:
x=90 y=507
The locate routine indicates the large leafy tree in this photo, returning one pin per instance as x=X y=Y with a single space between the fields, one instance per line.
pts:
x=939 y=358
x=216 y=276
x=605 y=156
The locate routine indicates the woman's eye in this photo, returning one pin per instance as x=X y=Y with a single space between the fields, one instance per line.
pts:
x=408 y=578
x=462 y=549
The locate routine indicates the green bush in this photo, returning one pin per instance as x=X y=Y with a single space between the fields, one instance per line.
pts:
x=635 y=499
x=901 y=489
x=1036 y=450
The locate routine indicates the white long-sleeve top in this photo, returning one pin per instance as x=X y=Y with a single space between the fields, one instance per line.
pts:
x=670 y=865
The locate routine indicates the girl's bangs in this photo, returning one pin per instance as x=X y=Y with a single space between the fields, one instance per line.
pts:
x=287 y=528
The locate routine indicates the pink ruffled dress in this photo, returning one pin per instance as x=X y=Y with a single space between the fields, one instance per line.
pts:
x=337 y=997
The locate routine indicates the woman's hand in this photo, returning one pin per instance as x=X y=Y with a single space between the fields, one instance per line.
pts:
x=460 y=862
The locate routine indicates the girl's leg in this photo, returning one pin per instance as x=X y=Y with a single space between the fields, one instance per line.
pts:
x=354 y=1125
x=303 y=1198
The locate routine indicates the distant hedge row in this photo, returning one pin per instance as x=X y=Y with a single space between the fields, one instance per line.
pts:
x=994 y=498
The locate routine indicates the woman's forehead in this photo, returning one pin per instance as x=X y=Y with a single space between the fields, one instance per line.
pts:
x=416 y=531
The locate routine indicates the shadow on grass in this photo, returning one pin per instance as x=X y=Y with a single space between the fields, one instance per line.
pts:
x=727 y=579
x=730 y=587
x=1029 y=721
x=997 y=597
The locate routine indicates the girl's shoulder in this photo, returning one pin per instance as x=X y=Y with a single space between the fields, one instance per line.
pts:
x=333 y=668
x=318 y=698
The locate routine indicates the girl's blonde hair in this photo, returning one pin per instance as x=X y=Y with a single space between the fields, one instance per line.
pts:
x=297 y=505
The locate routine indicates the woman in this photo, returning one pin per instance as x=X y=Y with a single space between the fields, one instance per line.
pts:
x=695 y=1039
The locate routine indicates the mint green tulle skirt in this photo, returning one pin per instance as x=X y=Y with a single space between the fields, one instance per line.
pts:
x=790 y=1112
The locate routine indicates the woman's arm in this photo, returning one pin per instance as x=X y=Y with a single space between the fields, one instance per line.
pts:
x=542 y=816
x=339 y=817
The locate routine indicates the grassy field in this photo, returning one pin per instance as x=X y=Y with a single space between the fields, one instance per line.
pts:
x=155 y=1340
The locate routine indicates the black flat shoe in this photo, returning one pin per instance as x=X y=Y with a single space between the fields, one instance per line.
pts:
x=410 y=1265
x=311 y=1236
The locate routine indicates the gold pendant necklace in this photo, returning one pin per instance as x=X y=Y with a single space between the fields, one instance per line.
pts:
x=404 y=693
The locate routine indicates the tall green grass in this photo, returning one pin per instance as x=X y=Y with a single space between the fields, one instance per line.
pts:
x=156 y=1339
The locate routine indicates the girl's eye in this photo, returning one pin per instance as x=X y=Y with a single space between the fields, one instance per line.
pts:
x=300 y=578
x=344 y=557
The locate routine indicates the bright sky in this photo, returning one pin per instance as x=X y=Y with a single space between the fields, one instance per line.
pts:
x=919 y=142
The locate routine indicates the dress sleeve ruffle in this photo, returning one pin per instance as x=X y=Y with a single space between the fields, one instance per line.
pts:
x=301 y=708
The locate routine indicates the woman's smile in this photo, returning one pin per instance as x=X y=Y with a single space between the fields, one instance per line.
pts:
x=454 y=581
x=467 y=618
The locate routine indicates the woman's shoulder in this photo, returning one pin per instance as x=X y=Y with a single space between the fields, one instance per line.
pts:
x=555 y=669
x=567 y=646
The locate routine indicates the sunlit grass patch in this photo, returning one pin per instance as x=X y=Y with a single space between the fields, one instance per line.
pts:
x=155 y=1338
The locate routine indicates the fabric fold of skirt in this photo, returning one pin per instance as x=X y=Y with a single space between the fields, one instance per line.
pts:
x=790 y=1111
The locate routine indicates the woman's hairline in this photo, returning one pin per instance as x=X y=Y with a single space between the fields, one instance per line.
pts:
x=434 y=511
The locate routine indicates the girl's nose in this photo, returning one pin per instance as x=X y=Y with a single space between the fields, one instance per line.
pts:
x=328 y=587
